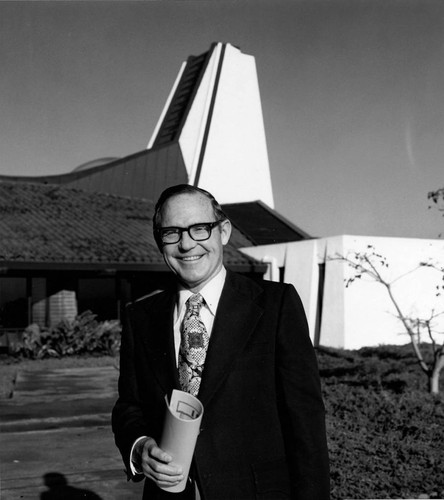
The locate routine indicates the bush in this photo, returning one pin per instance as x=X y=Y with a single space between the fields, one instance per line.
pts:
x=83 y=335
x=385 y=431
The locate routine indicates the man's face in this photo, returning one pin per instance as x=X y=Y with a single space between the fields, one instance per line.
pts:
x=194 y=262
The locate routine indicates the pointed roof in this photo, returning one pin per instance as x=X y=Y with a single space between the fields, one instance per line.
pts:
x=214 y=112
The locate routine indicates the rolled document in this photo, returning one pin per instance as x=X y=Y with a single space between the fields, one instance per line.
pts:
x=180 y=431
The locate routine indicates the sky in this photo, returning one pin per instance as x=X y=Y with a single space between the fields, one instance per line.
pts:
x=351 y=91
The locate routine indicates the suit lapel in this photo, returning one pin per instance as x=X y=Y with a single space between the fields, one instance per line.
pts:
x=236 y=318
x=158 y=338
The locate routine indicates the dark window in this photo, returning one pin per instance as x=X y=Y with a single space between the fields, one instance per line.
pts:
x=13 y=303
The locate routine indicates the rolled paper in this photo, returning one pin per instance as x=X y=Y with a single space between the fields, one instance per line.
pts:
x=180 y=430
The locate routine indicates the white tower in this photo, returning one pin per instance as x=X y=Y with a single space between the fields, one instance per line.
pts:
x=214 y=113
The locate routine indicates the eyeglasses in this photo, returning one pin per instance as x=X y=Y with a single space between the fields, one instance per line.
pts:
x=198 y=232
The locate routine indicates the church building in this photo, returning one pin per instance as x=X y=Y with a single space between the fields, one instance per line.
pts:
x=83 y=240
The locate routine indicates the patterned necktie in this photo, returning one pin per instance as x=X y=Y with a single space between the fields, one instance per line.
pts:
x=193 y=347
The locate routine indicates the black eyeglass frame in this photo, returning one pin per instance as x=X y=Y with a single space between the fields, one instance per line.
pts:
x=180 y=230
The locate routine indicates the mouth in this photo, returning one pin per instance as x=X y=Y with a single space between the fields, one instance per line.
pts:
x=191 y=258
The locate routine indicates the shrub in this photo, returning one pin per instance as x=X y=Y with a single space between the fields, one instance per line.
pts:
x=385 y=431
x=83 y=335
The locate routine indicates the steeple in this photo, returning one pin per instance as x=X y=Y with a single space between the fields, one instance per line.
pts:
x=214 y=113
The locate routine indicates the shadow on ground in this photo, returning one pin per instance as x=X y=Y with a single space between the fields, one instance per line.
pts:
x=58 y=489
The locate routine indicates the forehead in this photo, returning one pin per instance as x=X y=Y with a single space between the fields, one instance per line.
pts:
x=186 y=209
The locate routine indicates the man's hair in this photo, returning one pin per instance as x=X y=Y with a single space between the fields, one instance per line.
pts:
x=172 y=191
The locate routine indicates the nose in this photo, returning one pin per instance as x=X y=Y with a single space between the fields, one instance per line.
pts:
x=186 y=242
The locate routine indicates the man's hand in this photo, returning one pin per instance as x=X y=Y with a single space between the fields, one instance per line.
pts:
x=156 y=464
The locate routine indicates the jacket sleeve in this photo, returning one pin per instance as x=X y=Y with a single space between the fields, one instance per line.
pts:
x=300 y=402
x=127 y=420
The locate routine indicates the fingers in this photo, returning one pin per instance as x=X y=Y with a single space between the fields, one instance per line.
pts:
x=155 y=452
x=157 y=465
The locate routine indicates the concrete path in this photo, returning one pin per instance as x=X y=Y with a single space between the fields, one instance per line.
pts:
x=56 y=441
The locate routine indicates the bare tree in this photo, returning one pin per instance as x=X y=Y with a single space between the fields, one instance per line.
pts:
x=438 y=202
x=438 y=198
x=370 y=264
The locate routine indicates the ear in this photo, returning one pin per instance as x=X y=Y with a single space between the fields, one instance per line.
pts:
x=225 y=231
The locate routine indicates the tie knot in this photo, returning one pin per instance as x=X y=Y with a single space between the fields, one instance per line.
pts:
x=195 y=301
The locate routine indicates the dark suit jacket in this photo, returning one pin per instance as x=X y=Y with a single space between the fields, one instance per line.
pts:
x=263 y=429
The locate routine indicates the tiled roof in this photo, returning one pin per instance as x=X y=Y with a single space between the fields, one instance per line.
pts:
x=54 y=225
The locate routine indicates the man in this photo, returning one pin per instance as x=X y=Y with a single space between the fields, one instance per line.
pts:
x=263 y=429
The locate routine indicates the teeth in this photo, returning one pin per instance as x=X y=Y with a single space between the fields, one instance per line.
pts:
x=194 y=257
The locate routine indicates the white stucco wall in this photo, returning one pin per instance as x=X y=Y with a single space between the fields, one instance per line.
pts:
x=362 y=314
x=236 y=147
x=235 y=165
x=370 y=316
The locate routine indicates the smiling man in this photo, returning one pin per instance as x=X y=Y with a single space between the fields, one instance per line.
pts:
x=191 y=249
x=242 y=348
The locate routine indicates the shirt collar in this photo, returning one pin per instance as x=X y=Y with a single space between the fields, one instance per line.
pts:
x=211 y=292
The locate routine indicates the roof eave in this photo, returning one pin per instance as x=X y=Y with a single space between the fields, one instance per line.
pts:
x=113 y=267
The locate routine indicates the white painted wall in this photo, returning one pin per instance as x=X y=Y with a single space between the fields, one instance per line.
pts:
x=236 y=167
x=362 y=314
